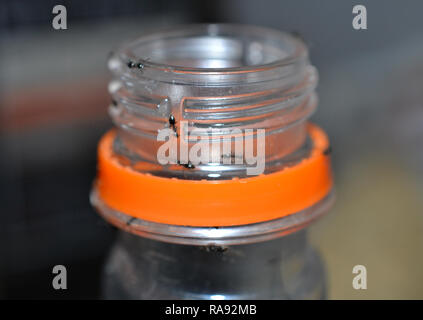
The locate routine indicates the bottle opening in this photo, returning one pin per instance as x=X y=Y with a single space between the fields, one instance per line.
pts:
x=212 y=102
x=215 y=47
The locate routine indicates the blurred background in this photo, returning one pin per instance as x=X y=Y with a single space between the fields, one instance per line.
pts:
x=53 y=110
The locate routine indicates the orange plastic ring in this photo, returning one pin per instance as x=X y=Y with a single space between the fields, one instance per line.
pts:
x=218 y=202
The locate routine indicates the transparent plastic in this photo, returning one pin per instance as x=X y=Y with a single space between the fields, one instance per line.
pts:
x=212 y=79
x=283 y=268
x=207 y=81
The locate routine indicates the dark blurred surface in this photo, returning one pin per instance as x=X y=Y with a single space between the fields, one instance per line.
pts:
x=53 y=87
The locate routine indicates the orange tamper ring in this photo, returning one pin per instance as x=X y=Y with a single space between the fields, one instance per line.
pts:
x=205 y=203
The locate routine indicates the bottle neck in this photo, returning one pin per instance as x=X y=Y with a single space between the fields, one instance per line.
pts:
x=226 y=98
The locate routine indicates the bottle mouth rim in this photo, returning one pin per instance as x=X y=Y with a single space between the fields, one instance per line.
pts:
x=283 y=49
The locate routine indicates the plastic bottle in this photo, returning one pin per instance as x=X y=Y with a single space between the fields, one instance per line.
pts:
x=213 y=172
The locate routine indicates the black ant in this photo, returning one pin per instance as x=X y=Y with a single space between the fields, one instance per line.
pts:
x=328 y=151
x=131 y=64
x=217 y=249
x=172 y=121
x=172 y=124
x=188 y=165
x=130 y=221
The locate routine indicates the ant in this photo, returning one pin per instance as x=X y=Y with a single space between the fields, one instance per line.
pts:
x=131 y=64
x=172 y=124
x=188 y=165
x=328 y=151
